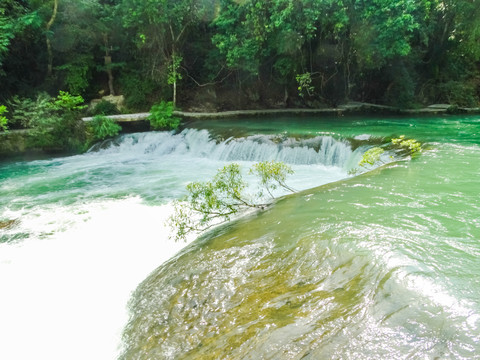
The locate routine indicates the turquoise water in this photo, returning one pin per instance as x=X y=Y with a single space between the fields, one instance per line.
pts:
x=380 y=265
x=432 y=129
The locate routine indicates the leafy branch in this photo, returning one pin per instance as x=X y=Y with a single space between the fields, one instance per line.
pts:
x=305 y=86
x=66 y=102
x=272 y=175
x=371 y=156
x=410 y=147
x=214 y=202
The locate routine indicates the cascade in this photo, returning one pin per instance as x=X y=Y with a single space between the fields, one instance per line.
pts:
x=379 y=265
x=324 y=150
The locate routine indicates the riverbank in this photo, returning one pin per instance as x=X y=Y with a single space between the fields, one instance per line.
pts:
x=351 y=108
x=16 y=142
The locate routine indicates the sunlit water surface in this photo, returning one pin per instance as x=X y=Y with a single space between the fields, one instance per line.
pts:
x=381 y=265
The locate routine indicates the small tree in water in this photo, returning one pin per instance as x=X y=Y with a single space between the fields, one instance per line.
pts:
x=212 y=202
x=409 y=147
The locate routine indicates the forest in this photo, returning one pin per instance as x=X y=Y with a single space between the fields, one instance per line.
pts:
x=211 y=55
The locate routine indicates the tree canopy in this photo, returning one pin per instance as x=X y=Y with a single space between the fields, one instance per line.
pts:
x=267 y=53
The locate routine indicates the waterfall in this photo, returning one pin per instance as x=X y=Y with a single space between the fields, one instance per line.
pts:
x=319 y=150
x=92 y=227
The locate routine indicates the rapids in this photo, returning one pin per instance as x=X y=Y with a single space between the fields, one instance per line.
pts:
x=380 y=265
x=89 y=228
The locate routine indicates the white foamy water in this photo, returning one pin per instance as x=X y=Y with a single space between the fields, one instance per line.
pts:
x=65 y=296
x=90 y=228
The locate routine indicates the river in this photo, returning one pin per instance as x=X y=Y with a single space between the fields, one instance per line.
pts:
x=380 y=265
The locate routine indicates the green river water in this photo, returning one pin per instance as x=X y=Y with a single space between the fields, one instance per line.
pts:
x=382 y=265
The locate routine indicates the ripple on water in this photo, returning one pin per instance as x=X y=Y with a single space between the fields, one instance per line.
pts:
x=319 y=276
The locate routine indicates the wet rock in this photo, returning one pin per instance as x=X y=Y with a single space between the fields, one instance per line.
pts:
x=7 y=224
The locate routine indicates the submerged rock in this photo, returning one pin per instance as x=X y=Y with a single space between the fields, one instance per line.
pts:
x=6 y=224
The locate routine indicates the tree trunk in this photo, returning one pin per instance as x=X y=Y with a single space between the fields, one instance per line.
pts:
x=108 y=65
x=174 y=75
x=108 y=62
x=49 y=43
x=110 y=82
x=175 y=94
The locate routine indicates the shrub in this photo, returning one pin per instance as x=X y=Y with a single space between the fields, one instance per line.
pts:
x=66 y=103
x=458 y=93
x=77 y=73
x=3 y=119
x=272 y=174
x=401 y=91
x=305 y=86
x=26 y=113
x=103 y=127
x=453 y=92
x=55 y=122
x=161 y=117
x=409 y=147
x=137 y=90
x=58 y=127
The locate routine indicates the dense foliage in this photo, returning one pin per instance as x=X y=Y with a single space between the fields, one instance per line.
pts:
x=104 y=108
x=3 y=118
x=249 y=53
x=162 y=118
x=102 y=128
x=54 y=121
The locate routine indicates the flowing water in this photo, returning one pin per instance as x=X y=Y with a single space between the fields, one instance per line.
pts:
x=381 y=265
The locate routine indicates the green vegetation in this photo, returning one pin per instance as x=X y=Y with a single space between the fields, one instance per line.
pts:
x=59 y=127
x=305 y=84
x=103 y=128
x=67 y=104
x=411 y=146
x=104 y=108
x=407 y=147
x=3 y=118
x=236 y=54
x=174 y=75
x=28 y=113
x=162 y=118
x=272 y=174
x=371 y=156
x=216 y=201
x=253 y=53
x=54 y=122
